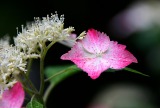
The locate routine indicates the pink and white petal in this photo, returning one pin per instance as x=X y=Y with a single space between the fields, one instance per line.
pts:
x=13 y=98
x=118 y=56
x=93 y=66
x=73 y=36
x=69 y=41
x=77 y=52
x=95 y=41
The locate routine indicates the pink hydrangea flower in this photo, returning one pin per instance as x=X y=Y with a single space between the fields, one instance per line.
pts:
x=13 y=98
x=96 y=53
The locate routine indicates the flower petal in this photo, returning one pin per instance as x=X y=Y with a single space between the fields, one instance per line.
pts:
x=13 y=98
x=95 y=41
x=96 y=53
x=77 y=52
x=118 y=56
x=93 y=66
x=69 y=41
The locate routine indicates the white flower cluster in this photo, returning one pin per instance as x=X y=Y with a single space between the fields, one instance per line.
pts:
x=35 y=35
x=29 y=44
x=12 y=62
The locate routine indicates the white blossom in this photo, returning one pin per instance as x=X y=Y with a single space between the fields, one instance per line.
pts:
x=29 y=44
x=12 y=62
x=47 y=29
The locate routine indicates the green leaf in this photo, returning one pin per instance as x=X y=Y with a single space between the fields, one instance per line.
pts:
x=127 y=69
x=57 y=73
x=135 y=71
x=111 y=70
x=34 y=104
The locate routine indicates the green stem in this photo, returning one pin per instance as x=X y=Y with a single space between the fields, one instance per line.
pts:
x=28 y=82
x=42 y=73
x=47 y=92
x=29 y=67
x=32 y=98
x=44 y=51
x=49 y=46
x=29 y=91
x=60 y=72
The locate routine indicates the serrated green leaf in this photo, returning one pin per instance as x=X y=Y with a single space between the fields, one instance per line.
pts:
x=57 y=73
x=34 y=104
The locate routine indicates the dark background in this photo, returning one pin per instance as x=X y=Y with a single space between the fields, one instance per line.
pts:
x=78 y=90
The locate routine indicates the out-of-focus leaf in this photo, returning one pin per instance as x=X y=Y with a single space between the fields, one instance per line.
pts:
x=127 y=69
x=34 y=104
x=57 y=73
x=135 y=71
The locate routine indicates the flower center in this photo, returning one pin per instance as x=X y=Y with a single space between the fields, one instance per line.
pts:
x=99 y=54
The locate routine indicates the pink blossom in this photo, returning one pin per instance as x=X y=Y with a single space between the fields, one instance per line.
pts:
x=96 y=53
x=13 y=98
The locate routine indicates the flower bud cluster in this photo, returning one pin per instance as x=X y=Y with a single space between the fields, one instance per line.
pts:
x=29 y=44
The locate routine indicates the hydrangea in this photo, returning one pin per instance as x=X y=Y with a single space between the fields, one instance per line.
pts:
x=36 y=34
x=13 y=98
x=12 y=62
x=96 y=53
